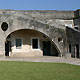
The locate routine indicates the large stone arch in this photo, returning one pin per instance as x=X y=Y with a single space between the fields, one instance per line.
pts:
x=52 y=42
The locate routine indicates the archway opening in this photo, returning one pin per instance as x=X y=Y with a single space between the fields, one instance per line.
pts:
x=27 y=42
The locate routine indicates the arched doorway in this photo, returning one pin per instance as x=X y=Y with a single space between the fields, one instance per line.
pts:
x=27 y=42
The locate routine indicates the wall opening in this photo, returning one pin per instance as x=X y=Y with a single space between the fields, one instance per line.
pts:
x=35 y=44
x=76 y=28
x=4 y=26
x=69 y=48
x=77 y=51
x=46 y=48
x=18 y=43
x=30 y=42
x=60 y=39
x=7 y=48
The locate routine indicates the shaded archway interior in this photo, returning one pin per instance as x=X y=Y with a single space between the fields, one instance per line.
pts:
x=33 y=43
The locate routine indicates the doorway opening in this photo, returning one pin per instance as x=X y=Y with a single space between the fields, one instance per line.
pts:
x=7 y=47
x=77 y=51
x=49 y=49
x=46 y=48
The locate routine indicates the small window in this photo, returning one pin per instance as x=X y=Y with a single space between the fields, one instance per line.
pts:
x=4 y=26
x=18 y=43
x=76 y=28
x=35 y=43
x=69 y=48
x=60 y=39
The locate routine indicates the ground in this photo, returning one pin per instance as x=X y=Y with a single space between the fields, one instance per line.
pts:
x=20 y=70
x=75 y=61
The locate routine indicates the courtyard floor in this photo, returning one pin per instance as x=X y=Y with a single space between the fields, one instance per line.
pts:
x=44 y=59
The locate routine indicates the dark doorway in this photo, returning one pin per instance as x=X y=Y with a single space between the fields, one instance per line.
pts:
x=46 y=48
x=77 y=50
x=35 y=43
x=7 y=48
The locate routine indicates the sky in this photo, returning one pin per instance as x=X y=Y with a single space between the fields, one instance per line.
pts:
x=40 y=4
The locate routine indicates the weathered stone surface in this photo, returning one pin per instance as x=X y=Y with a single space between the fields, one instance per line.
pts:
x=51 y=23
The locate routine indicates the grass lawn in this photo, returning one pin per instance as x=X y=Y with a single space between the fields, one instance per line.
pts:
x=14 y=70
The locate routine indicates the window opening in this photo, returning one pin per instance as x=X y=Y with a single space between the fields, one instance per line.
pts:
x=18 y=43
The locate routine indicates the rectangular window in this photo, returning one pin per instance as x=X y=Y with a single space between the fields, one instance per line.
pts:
x=18 y=43
x=35 y=43
x=69 y=48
